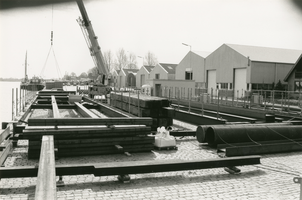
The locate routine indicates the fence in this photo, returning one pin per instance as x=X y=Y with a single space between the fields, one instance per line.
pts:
x=277 y=101
x=21 y=98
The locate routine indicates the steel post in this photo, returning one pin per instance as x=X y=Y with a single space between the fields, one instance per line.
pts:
x=299 y=181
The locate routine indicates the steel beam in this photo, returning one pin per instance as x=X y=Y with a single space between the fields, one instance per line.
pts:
x=90 y=121
x=46 y=181
x=263 y=149
x=84 y=111
x=55 y=109
x=196 y=119
x=133 y=167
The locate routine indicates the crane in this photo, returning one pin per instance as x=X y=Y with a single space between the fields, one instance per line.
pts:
x=95 y=50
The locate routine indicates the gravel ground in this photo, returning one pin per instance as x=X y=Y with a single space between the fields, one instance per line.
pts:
x=273 y=179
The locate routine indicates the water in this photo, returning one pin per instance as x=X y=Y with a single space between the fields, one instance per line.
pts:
x=6 y=99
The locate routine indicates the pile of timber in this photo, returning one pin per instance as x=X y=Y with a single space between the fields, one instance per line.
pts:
x=252 y=139
x=144 y=106
x=90 y=136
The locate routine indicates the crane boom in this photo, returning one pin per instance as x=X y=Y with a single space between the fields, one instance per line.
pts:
x=92 y=42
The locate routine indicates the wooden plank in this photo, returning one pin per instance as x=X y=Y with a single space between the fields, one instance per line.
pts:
x=4 y=134
x=46 y=181
x=55 y=109
x=84 y=111
x=90 y=121
x=133 y=167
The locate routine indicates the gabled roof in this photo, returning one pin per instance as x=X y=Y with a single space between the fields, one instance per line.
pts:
x=170 y=68
x=128 y=71
x=298 y=63
x=203 y=54
x=267 y=54
x=149 y=68
x=117 y=71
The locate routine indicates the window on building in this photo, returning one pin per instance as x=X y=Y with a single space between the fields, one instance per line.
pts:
x=189 y=74
x=298 y=86
x=224 y=85
x=157 y=76
x=231 y=86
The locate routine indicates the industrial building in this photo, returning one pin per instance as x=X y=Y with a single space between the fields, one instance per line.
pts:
x=127 y=78
x=143 y=75
x=245 y=68
x=294 y=78
x=192 y=67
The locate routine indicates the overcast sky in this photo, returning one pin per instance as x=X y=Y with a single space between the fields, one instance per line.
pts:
x=139 y=26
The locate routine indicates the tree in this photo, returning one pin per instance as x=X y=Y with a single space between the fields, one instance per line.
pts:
x=83 y=75
x=93 y=73
x=279 y=86
x=150 y=59
x=121 y=59
x=109 y=60
x=132 y=61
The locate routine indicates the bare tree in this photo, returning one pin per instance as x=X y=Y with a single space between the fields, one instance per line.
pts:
x=121 y=59
x=93 y=72
x=132 y=61
x=150 y=59
x=109 y=60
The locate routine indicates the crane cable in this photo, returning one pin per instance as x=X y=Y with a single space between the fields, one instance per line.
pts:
x=52 y=49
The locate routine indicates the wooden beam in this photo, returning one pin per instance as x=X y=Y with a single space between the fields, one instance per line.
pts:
x=55 y=109
x=46 y=181
x=84 y=111
x=133 y=167
x=90 y=121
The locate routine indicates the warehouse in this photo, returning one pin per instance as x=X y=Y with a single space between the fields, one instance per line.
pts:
x=192 y=67
x=294 y=78
x=244 y=68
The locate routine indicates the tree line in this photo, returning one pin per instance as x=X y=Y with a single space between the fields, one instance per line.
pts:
x=122 y=59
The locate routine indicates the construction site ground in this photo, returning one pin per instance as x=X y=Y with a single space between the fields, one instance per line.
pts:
x=272 y=179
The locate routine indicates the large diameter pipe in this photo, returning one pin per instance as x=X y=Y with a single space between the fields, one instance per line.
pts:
x=202 y=129
x=238 y=134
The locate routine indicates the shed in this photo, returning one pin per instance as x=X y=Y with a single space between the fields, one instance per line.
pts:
x=143 y=75
x=192 y=67
x=245 y=68
x=294 y=78
x=127 y=78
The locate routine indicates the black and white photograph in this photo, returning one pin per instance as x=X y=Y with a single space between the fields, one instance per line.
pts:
x=151 y=99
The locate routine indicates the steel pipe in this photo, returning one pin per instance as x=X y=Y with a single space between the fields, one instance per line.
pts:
x=201 y=129
x=236 y=134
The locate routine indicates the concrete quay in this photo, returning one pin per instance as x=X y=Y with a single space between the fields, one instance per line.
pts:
x=273 y=179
